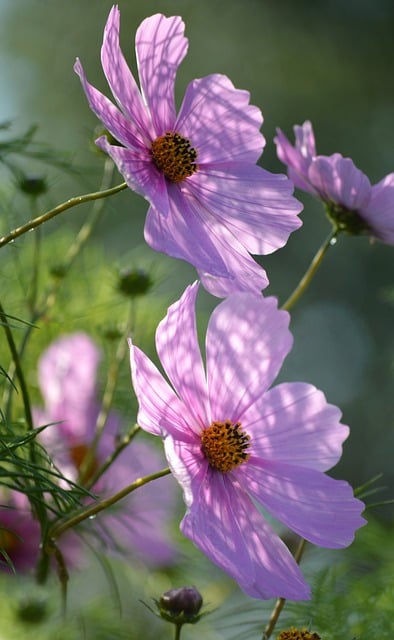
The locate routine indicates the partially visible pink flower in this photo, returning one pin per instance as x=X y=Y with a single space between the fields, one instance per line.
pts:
x=67 y=379
x=352 y=202
x=232 y=441
x=20 y=534
x=209 y=203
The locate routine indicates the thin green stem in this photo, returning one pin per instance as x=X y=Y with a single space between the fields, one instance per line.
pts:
x=49 y=297
x=310 y=272
x=280 y=603
x=125 y=441
x=72 y=202
x=18 y=368
x=178 y=628
x=112 y=379
x=92 y=510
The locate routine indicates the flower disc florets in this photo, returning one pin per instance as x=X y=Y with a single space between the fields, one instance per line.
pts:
x=174 y=156
x=224 y=445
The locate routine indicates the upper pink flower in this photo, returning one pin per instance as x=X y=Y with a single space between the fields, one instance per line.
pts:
x=231 y=441
x=209 y=203
x=352 y=202
x=68 y=380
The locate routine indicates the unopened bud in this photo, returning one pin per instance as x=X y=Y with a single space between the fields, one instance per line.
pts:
x=33 y=185
x=186 y=600
x=134 y=282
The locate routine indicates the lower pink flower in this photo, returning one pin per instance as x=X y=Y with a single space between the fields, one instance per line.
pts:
x=232 y=442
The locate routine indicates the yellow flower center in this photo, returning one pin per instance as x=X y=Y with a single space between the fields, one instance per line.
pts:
x=174 y=156
x=297 y=634
x=224 y=445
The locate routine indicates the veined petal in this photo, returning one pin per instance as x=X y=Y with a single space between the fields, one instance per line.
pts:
x=219 y=121
x=183 y=235
x=160 y=409
x=160 y=48
x=338 y=180
x=258 y=207
x=297 y=158
x=247 y=340
x=122 y=129
x=188 y=465
x=224 y=523
x=67 y=373
x=140 y=173
x=179 y=352
x=293 y=423
x=317 y=507
x=379 y=213
x=305 y=140
x=243 y=272
x=120 y=79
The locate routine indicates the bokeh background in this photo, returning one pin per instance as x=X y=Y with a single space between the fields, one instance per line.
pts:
x=330 y=61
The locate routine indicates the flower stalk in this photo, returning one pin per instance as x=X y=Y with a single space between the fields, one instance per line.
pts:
x=89 y=512
x=72 y=202
x=307 y=278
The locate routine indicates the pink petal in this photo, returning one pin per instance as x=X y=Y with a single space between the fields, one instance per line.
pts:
x=67 y=372
x=183 y=235
x=140 y=173
x=247 y=340
x=160 y=49
x=160 y=410
x=179 y=352
x=294 y=423
x=297 y=158
x=305 y=140
x=226 y=526
x=338 y=180
x=244 y=274
x=121 y=81
x=379 y=213
x=117 y=124
x=256 y=206
x=317 y=507
x=219 y=121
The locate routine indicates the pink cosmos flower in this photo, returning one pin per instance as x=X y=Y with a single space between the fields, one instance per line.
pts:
x=209 y=203
x=232 y=442
x=140 y=523
x=20 y=535
x=352 y=202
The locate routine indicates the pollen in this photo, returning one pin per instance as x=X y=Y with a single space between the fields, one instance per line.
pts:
x=224 y=444
x=174 y=156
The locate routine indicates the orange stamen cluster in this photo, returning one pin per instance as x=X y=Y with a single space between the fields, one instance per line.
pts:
x=174 y=156
x=224 y=445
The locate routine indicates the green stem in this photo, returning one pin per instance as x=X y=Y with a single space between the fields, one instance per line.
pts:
x=18 y=368
x=72 y=202
x=92 y=510
x=178 y=628
x=280 y=603
x=310 y=272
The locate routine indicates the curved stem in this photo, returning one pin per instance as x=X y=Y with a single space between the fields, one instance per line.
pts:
x=280 y=603
x=92 y=510
x=72 y=202
x=310 y=272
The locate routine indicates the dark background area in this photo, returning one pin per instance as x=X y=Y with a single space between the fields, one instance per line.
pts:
x=330 y=61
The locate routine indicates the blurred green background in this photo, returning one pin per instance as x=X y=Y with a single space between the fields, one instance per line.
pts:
x=330 y=61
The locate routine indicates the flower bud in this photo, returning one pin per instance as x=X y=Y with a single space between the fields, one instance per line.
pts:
x=33 y=185
x=186 y=600
x=134 y=282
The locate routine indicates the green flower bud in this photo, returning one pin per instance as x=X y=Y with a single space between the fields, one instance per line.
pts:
x=33 y=185
x=134 y=282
